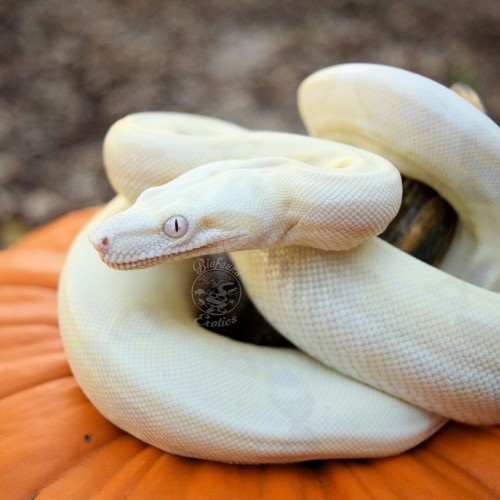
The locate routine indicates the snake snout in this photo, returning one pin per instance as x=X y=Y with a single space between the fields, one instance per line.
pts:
x=99 y=241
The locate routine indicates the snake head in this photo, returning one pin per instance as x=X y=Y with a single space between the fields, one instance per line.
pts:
x=237 y=205
x=205 y=211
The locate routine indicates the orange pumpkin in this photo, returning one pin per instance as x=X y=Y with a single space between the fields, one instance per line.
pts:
x=54 y=444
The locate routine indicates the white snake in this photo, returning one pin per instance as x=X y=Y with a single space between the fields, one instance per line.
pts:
x=394 y=347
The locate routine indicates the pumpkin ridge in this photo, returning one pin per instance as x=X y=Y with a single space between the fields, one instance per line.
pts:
x=32 y=306
x=471 y=449
x=40 y=346
x=16 y=292
x=167 y=467
x=461 y=472
x=40 y=386
x=47 y=320
x=87 y=477
x=355 y=471
x=385 y=489
x=129 y=473
x=26 y=334
x=22 y=267
x=58 y=369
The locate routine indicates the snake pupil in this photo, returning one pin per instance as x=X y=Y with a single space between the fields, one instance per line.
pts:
x=176 y=226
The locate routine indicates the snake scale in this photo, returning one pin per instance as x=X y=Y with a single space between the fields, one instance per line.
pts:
x=389 y=347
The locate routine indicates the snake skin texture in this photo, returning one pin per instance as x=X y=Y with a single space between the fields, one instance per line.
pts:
x=389 y=347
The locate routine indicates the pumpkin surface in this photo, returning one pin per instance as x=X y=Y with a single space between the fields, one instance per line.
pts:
x=54 y=444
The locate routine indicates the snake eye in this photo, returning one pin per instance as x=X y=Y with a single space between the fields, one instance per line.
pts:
x=176 y=226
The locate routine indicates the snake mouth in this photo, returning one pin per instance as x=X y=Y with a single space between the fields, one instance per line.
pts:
x=232 y=243
x=136 y=264
x=151 y=261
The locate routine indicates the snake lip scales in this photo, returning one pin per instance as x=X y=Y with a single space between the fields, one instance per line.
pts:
x=388 y=347
x=127 y=262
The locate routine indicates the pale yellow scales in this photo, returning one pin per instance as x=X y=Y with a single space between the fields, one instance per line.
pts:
x=389 y=347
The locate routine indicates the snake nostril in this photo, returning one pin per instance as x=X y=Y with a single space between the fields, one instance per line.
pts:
x=99 y=242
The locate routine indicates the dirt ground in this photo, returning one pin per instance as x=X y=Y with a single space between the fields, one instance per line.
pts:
x=68 y=70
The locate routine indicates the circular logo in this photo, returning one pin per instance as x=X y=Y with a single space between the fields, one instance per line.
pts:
x=216 y=291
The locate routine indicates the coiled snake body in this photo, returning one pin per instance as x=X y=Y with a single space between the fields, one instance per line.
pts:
x=389 y=347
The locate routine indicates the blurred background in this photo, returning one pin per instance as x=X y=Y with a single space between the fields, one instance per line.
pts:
x=69 y=69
